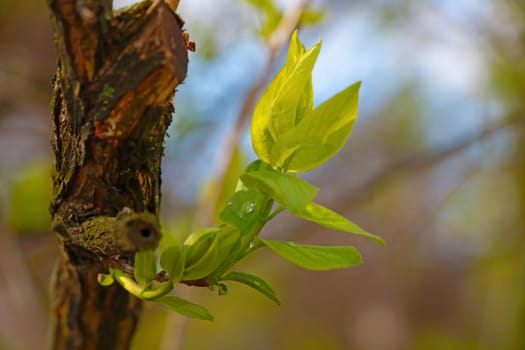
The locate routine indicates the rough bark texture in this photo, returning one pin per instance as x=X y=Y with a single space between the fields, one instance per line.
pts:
x=110 y=109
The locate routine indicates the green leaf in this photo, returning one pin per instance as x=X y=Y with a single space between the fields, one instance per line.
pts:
x=253 y=281
x=222 y=241
x=227 y=238
x=229 y=242
x=198 y=243
x=312 y=17
x=145 y=268
x=243 y=209
x=105 y=280
x=272 y=16
x=171 y=261
x=139 y=291
x=257 y=165
x=29 y=199
x=185 y=307
x=306 y=99
x=127 y=282
x=222 y=289
x=289 y=190
x=285 y=100
x=202 y=254
x=314 y=257
x=328 y=218
x=319 y=135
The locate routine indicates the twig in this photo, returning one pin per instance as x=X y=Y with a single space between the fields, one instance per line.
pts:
x=123 y=265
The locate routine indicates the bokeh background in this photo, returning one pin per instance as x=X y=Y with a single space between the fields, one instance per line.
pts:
x=435 y=166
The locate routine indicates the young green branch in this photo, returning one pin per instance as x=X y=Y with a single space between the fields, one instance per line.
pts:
x=288 y=135
x=275 y=44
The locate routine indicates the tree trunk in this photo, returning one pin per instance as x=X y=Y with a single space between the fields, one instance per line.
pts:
x=110 y=109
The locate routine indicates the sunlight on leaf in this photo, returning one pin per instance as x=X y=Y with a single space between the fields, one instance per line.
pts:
x=289 y=190
x=285 y=100
x=319 y=135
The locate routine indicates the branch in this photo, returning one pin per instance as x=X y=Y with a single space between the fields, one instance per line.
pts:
x=111 y=107
x=80 y=27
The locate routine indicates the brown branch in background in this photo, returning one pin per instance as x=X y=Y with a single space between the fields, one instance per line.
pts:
x=432 y=157
x=226 y=152
x=427 y=213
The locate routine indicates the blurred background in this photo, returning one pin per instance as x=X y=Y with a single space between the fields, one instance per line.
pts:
x=435 y=166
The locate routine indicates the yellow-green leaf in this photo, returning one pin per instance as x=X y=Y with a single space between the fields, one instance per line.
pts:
x=328 y=218
x=253 y=281
x=185 y=307
x=289 y=190
x=243 y=209
x=313 y=257
x=319 y=135
x=105 y=280
x=172 y=262
x=144 y=267
x=286 y=99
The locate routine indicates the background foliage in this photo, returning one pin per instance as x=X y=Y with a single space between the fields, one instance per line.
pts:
x=435 y=166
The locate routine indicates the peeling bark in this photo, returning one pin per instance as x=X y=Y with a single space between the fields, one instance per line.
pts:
x=110 y=109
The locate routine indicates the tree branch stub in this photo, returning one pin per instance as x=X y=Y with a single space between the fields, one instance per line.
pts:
x=111 y=107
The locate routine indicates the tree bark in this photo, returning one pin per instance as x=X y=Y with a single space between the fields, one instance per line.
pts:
x=111 y=106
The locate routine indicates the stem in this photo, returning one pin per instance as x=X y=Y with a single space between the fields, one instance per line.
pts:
x=275 y=213
x=256 y=244
x=258 y=226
